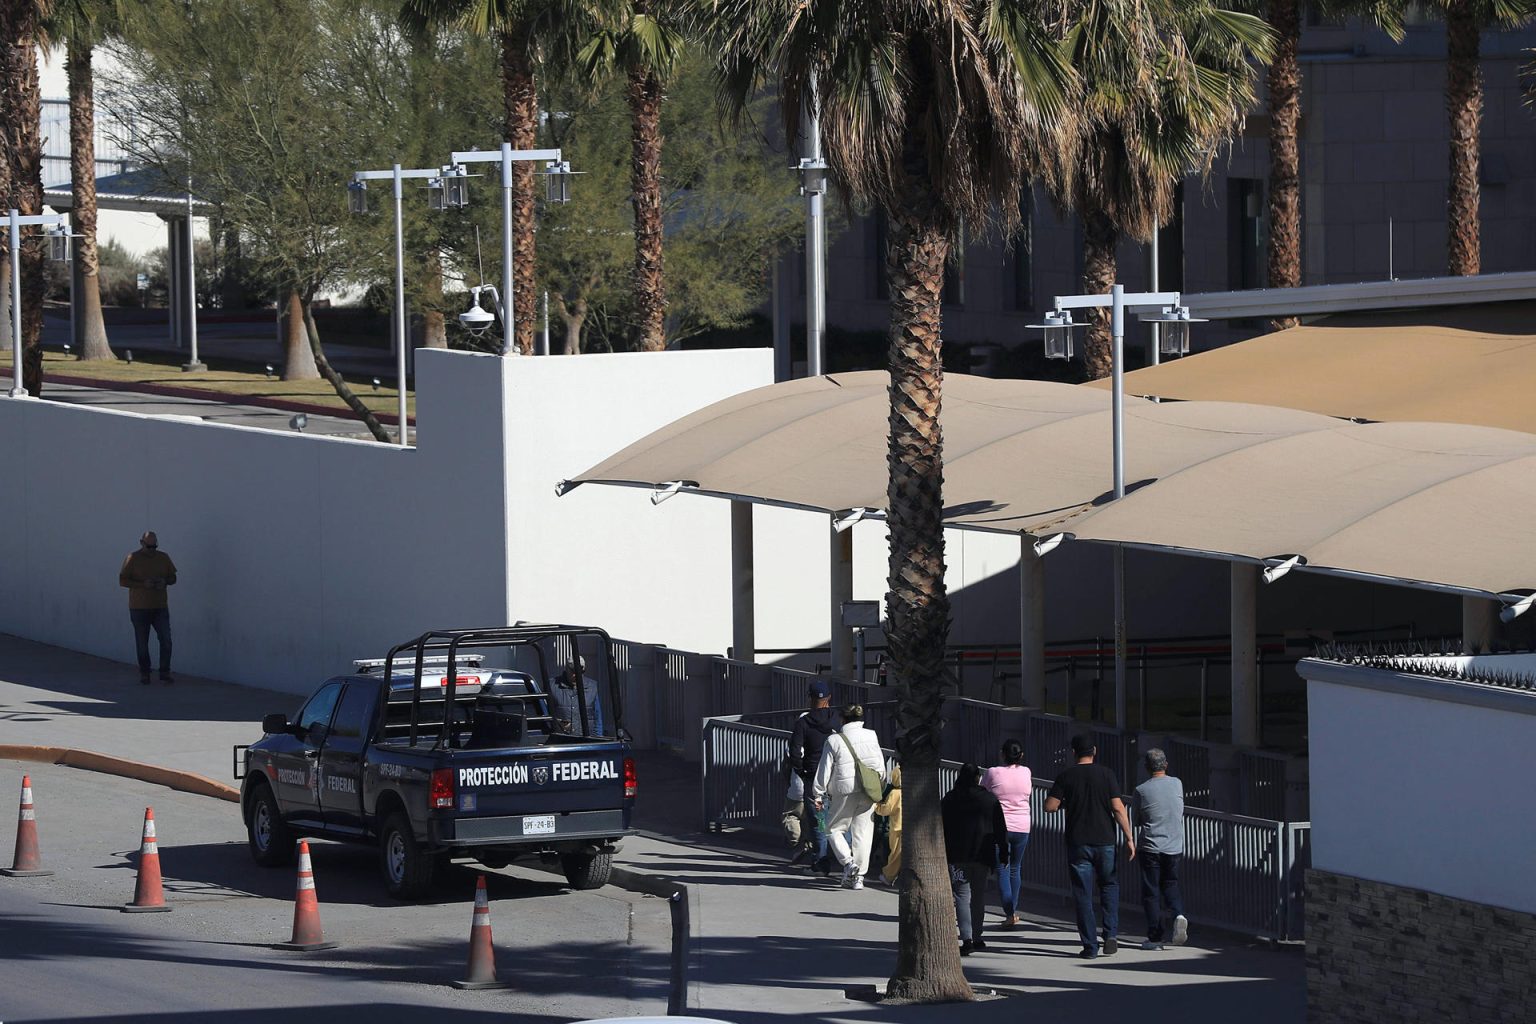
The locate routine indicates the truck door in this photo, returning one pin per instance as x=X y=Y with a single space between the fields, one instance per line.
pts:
x=341 y=759
x=297 y=760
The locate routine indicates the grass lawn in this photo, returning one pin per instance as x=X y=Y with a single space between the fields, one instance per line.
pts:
x=164 y=368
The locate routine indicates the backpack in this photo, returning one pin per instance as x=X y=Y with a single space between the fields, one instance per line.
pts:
x=868 y=779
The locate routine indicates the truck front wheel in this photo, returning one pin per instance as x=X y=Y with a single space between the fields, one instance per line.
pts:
x=270 y=839
x=408 y=869
x=587 y=870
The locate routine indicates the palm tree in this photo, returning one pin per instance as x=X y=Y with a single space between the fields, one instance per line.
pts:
x=1165 y=83
x=528 y=31
x=22 y=150
x=641 y=39
x=934 y=113
x=83 y=25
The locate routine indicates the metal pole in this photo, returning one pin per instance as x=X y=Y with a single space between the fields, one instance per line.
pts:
x=544 y=332
x=508 y=304
x=17 y=391
x=1156 y=355
x=193 y=364
x=815 y=238
x=400 y=342
x=1117 y=331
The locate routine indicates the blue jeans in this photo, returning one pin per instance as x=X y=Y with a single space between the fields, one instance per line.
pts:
x=968 y=882
x=1009 y=876
x=143 y=620
x=1160 y=896
x=1090 y=868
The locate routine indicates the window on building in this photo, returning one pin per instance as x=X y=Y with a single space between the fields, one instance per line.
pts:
x=1245 y=233
x=1021 y=257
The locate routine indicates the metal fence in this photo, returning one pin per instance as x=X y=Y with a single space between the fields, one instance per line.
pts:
x=1241 y=873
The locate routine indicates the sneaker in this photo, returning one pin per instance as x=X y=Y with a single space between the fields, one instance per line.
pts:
x=1088 y=953
x=848 y=876
x=858 y=882
x=1111 y=946
x=1180 y=930
x=1149 y=944
x=979 y=945
x=966 y=948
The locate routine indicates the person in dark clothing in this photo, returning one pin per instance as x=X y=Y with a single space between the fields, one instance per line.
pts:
x=806 y=743
x=975 y=837
x=1090 y=794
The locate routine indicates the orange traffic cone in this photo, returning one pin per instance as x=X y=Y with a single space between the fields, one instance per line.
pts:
x=28 y=861
x=148 y=898
x=307 y=934
x=482 y=958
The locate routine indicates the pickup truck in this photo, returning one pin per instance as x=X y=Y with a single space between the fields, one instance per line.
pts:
x=432 y=754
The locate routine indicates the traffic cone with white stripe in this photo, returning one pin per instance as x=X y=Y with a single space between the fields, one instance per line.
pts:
x=28 y=861
x=307 y=934
x=148 y=896
x=482 y=958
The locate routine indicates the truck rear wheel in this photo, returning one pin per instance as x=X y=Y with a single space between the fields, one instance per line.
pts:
x=587 y=870
x=269 y=837
x=408 y=869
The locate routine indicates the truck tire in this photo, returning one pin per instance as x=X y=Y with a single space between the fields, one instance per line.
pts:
x=408 y=869
x=269 y=837
x=587 y=870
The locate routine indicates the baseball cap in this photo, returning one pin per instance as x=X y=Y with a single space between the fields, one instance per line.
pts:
x=819 y=689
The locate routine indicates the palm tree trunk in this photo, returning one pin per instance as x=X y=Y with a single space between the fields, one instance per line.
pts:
x=22 y=143
x=645 y=177
x=521 y=103
x=1284 y=152
x=1464 y=104
x=928 y=959
x=336 y=380
x=298 y=356
x=1099 y=239
x=82 y=164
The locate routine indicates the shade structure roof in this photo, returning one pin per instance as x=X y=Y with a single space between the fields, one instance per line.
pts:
x=1461 y=364
x=143 y=190
x=1430 y=504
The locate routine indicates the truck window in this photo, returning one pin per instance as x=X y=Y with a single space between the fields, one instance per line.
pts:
x=315 y=718
x=355 y=713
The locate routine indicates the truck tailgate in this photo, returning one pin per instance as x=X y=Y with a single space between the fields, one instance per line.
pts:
x=558 y=791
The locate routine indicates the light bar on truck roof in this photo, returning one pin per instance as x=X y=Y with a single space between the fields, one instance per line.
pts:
x=407 y=664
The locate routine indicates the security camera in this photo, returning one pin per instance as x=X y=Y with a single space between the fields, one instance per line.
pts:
x=476 y=320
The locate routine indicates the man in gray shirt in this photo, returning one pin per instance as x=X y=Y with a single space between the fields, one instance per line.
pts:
x=1160 y=846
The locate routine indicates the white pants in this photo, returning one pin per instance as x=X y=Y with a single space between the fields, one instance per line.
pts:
x=851 y=827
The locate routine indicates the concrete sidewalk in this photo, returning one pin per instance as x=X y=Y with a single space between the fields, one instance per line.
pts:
x=769 y=942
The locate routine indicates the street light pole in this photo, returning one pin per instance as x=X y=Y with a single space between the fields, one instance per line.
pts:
x=506 y=157
x=15 y=222
x=397 y=177
x=813 y=185
x=192 y=365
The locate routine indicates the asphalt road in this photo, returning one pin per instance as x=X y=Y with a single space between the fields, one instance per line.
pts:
x=67 y=953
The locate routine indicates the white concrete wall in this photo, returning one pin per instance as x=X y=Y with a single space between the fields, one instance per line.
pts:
x=1424 y=793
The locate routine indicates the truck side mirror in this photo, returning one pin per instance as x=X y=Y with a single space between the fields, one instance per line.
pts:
x=274 y=724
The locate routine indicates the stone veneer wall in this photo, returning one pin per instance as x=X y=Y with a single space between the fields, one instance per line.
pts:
x=1378 y=952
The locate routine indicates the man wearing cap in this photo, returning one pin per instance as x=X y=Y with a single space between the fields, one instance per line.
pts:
x=806 y=743
x=146 y=573
x=1091 y=796
x=572 y=691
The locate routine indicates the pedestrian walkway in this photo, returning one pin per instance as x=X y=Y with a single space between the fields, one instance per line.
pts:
x=769 y=942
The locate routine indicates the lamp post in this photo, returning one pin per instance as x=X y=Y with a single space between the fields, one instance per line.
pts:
x=357 y=201
x=559 y=192
x=15 y=222
x=813 y=185
x=1161 y=307
x=193 y=364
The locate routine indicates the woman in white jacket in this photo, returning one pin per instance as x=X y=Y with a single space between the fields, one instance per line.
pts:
x=850 y=812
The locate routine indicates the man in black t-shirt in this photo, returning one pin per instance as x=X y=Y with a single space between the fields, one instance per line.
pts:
x=1090 y=794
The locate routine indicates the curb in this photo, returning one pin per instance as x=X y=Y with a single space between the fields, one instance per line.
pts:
x=220 y=397
x=171 y=778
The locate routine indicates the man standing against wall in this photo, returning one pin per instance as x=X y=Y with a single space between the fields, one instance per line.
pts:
x=146 y=573
x=1090 y=794
x=1160 y=824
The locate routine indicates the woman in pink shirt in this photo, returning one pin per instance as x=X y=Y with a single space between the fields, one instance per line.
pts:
x=1012 y=784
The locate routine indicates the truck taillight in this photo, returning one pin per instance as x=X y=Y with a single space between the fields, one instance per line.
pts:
x=442 y=788
x=631 y=780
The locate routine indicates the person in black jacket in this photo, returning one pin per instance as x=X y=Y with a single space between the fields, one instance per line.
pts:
x=975 y=836
x=805 y=746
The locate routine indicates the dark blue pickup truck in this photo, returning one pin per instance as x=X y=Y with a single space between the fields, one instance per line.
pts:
x=487 y=745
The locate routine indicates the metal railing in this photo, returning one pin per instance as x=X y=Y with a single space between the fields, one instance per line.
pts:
x=1240 y=873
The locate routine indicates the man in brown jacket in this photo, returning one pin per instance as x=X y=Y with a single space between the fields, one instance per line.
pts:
x=146 y=573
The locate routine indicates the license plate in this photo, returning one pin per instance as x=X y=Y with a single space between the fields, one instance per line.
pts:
x=539 y=825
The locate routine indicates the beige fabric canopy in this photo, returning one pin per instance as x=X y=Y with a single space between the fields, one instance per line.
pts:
x=1469 y=364
x=1432 y=504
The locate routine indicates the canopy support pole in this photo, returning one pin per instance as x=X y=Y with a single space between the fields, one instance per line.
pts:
x=1245 y=655
x=743 y=597
x=841 y=592
x=1031 y=623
